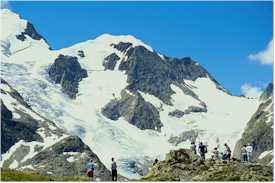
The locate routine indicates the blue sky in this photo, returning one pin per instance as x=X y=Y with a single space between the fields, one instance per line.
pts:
x=218 y=35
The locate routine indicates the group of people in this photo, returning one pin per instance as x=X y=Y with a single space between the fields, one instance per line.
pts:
x=91 y=169
x=216 y=154
x=246 y=152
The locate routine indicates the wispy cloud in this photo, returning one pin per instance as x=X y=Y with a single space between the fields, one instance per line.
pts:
x=251 y=91
x=264 y=56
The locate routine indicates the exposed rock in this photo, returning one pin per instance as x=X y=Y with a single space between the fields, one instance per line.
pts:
x=268 y=92
x=190 y=135
x=195 y=109
x=14 y=130
x=67 y=71
x=110 y=61
x=149 y=73
x=81 y=53
x=122 y=46
x=40 y=144
x=182 y=165
x=55 y=159
x=176 y=113
x=135 y=110
x=30 y=31
x=259 y=129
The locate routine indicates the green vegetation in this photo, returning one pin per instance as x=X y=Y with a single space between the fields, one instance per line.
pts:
x=15 y=175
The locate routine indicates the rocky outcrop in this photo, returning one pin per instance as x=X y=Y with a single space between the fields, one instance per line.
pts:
x=190 y=135
x=259 y=129
x=122 y=46
x=134 y=109
x=29 y=141
x=176 y=113
x=67 y=157
x=80 y=53
x=67 y=71
x=268 y=92
x=30 y=31
x=110 y=61
x=150 y=73
x=182 y=165
x=14 y=130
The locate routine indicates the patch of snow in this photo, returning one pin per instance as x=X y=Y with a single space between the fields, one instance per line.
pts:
x=70 y=153
x=14 y=164
x=265 y=153
x=27 y=167
x=71 y=159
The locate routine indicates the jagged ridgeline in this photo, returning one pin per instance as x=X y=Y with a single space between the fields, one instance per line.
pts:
x=113 y=96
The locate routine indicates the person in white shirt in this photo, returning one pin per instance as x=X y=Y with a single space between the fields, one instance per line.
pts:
x=249 y=150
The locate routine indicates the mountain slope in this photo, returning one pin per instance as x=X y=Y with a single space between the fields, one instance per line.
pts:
x=259 y=130
x=31 y=142
x=132 y=99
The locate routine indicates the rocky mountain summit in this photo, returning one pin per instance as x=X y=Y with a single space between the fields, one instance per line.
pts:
x=111 y=91
x=182 y=165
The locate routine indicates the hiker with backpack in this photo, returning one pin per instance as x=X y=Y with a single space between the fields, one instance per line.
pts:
x=114 y=170
x=202 y=151
x=244 y=153
x=193 y=147
x=227 y=152
x=249 y=150
x=90 y=169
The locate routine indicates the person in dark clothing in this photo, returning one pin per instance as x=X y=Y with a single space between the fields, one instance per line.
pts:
x=227 y=152
x=193 y=147
x=114 y=170
x=202 y=151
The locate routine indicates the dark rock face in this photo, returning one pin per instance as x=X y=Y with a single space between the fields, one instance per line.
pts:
x=259 y=129
x=182 y=165
x=81 y=53
x=54 y=159
x=268 y=92
x=30 y=31
x=176 y=113
x=122 y=46
x=67 y=71
x=135 y=110
x=184 y=136
x=110 y=61
x=14 y=130
x=195 y=109
x=149 y=73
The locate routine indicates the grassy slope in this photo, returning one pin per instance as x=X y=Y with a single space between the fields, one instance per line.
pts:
x=15 y=175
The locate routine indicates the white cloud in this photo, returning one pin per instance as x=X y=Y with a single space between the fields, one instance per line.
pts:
x=264 y=56
x=251 y=91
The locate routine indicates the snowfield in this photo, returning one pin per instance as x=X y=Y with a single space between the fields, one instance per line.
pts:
x=26 y=71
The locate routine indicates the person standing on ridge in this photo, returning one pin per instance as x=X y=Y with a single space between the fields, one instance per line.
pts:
x=244 y=153
x=249 y=150
x=227 y=152
x=90 y=169
x=193 y=147
x=114 y=170
x=202 y=151
x=215 y=154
